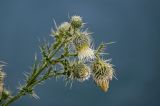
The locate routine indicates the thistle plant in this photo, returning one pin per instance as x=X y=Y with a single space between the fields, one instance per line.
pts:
x=73 y=53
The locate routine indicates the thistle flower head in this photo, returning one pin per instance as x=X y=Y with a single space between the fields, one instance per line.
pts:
x=76 y=21
x=62 y=29
x=79 y=71
x=102 y=73
x=83 y=47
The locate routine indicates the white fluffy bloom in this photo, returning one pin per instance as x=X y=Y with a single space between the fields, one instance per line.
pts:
x=86 y=53
x=82 y=44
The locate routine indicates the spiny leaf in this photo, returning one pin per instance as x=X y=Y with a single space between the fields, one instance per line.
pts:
x=100 y=48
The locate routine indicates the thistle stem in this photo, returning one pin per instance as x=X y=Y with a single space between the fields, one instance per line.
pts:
x=19 y=95
x=30 y=83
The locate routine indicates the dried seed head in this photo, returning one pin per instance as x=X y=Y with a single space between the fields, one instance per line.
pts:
x=102 y=74
x=82 y=45
x=76 y=21
x=79 y=71
x=103 y=84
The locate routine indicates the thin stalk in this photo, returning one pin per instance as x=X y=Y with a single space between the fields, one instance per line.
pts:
x=19 y=95
x=22 y=92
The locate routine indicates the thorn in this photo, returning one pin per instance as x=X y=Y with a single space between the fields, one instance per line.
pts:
x=55 y=24
x=109 y=43
x=69 y=16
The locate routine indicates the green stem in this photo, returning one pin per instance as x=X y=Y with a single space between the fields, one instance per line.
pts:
x=32 y=82
x=19 y=94
x=22 y=92
x=54 y=74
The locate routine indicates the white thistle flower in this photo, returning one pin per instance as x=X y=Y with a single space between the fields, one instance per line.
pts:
x=86 y=53
x=62 y=29
x=82 y=44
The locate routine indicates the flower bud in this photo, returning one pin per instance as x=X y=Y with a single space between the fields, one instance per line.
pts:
x=79 y=71
x=102 y=74
x=76 y=21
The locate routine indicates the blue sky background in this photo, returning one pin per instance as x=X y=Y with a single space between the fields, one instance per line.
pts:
x=133 y=24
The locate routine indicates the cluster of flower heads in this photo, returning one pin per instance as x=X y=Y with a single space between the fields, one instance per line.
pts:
x=89 y=62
